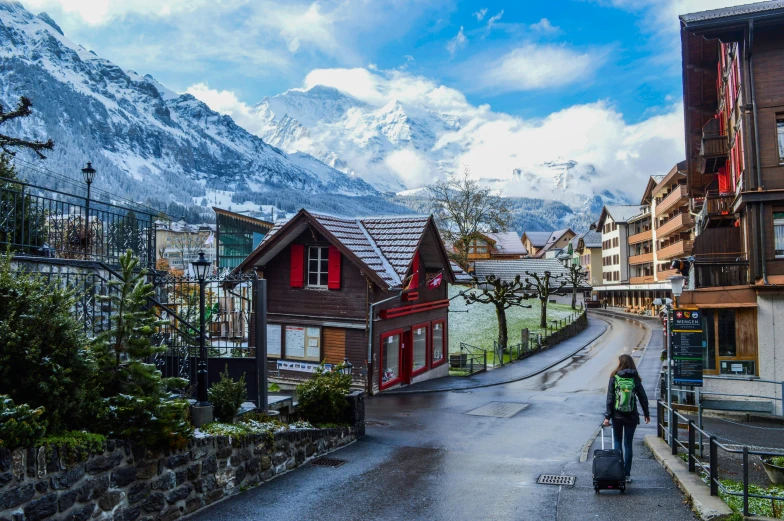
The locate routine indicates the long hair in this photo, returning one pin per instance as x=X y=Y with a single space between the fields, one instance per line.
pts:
x=624 y=362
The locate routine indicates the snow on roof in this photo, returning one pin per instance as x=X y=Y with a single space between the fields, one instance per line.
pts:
x=592 y=239
x=508 y=243
x=538 y=239
x=507 y=270
x=461 y=277
x=621 y=213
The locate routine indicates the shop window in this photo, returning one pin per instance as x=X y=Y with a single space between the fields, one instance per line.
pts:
x=438 y=343
x=318 y=266
x=780 y=135
x=390 y=359
x=730 y=337
x=420 y=348
x=778 y=233
x=725 y=332
x=303 y=343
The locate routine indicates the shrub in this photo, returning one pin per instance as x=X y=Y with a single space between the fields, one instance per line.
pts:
x=322 y=399
x=20 y=426
x=75 y=446
x=43 y=359
x=227 y=395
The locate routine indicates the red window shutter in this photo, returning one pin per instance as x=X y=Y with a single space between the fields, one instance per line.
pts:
x=415 y=272
x=333 y=277
x=297 y=276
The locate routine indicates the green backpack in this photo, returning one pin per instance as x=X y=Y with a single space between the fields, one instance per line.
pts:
x=625 y=397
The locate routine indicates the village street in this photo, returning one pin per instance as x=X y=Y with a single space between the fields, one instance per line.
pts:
x=425 y=458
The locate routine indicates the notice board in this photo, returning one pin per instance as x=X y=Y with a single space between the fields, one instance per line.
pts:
x=686 y=338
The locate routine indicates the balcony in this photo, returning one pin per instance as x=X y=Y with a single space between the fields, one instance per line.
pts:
x=641 y=237
x=662 y=276
x=678 y=223
x=719 y=205
x=714 y=147
x=641 y=259
x=647 y=279
x=678 y=197
x=720 y=274
x=677 y=249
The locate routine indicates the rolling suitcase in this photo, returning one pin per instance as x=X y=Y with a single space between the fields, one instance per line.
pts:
x=608 y=472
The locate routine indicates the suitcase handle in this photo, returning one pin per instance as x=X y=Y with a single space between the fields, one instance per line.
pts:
x=612 y=434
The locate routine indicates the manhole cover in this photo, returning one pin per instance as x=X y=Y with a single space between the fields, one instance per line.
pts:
x=375 y=423
x=498 y=409
x=327 y=462
x=553 y=479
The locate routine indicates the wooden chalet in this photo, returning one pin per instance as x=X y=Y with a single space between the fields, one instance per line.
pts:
x=497 y=246
x=370 y=290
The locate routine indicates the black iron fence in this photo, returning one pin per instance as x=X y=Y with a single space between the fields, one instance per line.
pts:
x=470 y=359
x=667 y=428
x=42 y=222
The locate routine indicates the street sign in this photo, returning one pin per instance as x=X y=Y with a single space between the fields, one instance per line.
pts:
x=686 y=339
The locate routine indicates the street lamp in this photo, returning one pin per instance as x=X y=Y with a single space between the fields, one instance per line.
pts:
x=677 y=282
x=200 y=267
x=88 y=173
x=347 y=367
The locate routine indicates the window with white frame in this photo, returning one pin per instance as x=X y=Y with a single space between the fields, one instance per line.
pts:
x=778 y=233
x=780 y=136
x=318 y=266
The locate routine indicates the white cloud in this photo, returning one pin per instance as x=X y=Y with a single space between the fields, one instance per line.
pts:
x=494 y=145
x=225 y=102
x=97 y=12
x=480 y=15
x=493 y=19
x=531 y=67
x=544 y=26
x=457 y=43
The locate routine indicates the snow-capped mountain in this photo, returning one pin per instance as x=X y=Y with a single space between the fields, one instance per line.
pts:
x=393 y=147
x=399 y=146
x=145 y=140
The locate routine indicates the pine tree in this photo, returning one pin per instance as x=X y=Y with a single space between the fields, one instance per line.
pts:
x=140 y=407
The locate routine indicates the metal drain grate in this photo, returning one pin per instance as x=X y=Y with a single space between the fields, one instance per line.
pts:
x=375 y=423
x=498 y=409
x=327 y=462
x=553 y=479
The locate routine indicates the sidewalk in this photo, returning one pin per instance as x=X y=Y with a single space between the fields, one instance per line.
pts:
x=652 y=495
x=513 y=372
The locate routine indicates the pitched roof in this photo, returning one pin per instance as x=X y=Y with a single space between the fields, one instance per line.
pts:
x=507 y=243
x=537 y=239
x=592 y=239
x=620 y=213
x=509 y=269
x=385 y=245
x=461 y=277
x=552 y=238
x=735 y=11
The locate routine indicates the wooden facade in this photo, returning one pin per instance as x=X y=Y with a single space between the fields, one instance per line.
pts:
x=312 y=321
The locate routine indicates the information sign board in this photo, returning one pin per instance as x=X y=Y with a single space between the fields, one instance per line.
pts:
x=686 y=340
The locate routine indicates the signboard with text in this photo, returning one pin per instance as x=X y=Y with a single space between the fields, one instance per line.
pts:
x=686 y=339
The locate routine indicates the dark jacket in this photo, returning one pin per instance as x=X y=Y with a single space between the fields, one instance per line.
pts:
x=639 y=390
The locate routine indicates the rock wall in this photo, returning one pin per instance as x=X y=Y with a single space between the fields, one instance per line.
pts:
x=126 y=483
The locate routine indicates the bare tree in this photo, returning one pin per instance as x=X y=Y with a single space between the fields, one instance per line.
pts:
x=574 y=278
x=9 y=143
x=501 y=294
x=544 y=286
x=463 y=209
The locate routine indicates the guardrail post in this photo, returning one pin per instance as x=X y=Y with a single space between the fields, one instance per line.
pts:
x=674 y=432
x=471 y=370
x=746 y=480
x=485 y=360
x=782 y=398
x=659 y=419
x=691 y=446
x=714 y=467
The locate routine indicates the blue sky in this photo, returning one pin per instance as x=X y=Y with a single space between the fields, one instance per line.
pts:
x=596 y=81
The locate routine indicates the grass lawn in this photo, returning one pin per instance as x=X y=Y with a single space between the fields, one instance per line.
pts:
x=479 y=326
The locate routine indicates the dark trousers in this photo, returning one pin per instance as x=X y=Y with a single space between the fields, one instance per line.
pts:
x=624 y=434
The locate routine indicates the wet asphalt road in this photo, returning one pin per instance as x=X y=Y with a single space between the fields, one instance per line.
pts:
x=430 y=460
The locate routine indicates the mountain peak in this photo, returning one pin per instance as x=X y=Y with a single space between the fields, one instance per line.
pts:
x=48 y=19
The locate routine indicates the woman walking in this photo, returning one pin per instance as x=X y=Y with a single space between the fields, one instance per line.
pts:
x=623 y=392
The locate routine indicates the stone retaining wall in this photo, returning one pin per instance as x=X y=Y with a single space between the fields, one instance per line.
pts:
x=125 y=483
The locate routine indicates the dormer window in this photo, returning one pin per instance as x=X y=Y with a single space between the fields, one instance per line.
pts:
x=477 y=246
x=318 y=266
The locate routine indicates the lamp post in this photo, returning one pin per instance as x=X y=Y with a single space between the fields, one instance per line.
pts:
x=88 y=173
x=200 y=266
x=676 y=283
x=347 y=367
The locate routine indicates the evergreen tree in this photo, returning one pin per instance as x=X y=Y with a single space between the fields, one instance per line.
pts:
x=140 y=407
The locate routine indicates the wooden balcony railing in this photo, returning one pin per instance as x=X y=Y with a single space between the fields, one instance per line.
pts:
x=675 y=250
x=641 y=259
x=679 y=197
x=647 y=235
x=676 y=224
x=647 y=279
x=719 y=205
x=718 y=274
x=714 y=147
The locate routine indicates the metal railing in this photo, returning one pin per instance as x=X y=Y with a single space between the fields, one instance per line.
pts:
x=42 y=222
x=470 y=359
x=668 y=430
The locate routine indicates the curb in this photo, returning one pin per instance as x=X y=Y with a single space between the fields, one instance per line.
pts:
x=503 y=382
x=707 y=507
